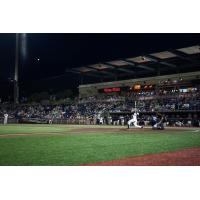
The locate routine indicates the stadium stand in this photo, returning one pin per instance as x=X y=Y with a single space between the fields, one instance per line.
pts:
x=166 y=82
x=179 y=100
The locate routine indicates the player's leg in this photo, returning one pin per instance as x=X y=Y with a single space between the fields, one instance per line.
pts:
x=162 y=127
x=159 y=124
x=129 y=123
x=5 y=120
x=155 y=126
x=136 y=125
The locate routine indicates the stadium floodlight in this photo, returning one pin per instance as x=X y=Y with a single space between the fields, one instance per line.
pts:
x=24 y=45
x=16 y=86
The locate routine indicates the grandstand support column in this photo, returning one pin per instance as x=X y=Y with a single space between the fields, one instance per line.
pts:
x=16 y=85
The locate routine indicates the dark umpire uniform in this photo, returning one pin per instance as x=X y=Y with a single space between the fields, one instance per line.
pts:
x=160 y=122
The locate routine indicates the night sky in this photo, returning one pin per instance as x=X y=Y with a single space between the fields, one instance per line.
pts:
x=57 y=52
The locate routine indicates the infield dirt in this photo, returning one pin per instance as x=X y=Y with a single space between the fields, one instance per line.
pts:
x=186 y=157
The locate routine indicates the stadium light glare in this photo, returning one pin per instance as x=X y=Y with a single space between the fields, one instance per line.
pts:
x=24 y=45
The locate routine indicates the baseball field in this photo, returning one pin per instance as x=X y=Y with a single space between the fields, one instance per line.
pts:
x=66 y=145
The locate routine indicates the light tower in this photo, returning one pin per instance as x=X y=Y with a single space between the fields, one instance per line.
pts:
x=16 y=85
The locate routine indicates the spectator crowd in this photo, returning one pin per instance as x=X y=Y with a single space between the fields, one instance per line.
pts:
x=107 y=107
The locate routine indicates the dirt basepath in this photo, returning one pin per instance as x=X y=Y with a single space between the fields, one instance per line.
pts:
x=186 y=157
x=124 y=129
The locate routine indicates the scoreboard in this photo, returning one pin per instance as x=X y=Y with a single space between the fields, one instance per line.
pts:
x=113 y=89
x=134 y=88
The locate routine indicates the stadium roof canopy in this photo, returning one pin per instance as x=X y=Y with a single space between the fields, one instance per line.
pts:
x=158 y=63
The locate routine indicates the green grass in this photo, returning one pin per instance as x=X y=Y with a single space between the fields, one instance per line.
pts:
x=76 y=149
x=41 y=128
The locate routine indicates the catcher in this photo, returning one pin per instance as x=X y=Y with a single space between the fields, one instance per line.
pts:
x=160 y=122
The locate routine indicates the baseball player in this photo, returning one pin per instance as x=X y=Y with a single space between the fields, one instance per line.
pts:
x=133 y=121
x=101 y=120
x=154 y=121
x=160 y=124
x=122 y=120
x=5 y=118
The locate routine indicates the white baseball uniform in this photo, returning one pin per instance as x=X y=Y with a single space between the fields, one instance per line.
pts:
x=5 y=119
x=134 y=121
x=101 y=120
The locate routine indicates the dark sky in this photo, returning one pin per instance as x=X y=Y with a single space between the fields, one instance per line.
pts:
x=60 y=51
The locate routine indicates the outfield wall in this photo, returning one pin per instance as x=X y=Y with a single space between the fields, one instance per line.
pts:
x=172 y=117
